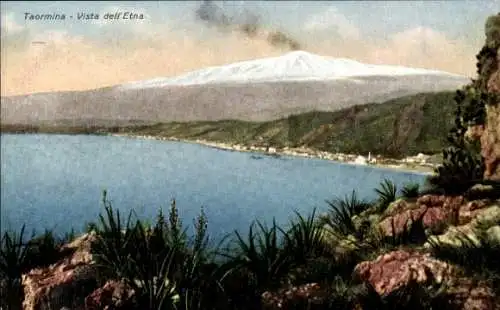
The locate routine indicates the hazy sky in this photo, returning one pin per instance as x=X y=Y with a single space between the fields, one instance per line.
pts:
x=170 y=40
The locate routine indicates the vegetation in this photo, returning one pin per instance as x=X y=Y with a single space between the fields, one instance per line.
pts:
x=463 y=165
x=476 y=257
x=19 y=255
x=396 y=128
x=167 y=269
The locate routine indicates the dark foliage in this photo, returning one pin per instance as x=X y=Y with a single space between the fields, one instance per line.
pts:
x=387 y=193
x=341 y=212
x=479 y=258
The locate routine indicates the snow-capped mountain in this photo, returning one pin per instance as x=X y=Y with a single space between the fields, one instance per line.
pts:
x=255 y=90
x=293 y=66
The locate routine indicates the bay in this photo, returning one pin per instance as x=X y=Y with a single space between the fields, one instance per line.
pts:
x=56 y=182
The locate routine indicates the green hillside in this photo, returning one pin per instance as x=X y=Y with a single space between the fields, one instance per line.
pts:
x=403 y=126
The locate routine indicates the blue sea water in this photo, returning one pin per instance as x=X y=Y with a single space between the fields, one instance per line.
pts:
x=56 y=182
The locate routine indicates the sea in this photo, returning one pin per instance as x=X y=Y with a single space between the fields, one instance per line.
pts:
x=56 y=182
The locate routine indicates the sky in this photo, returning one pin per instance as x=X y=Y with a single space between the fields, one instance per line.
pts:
x=175 y=37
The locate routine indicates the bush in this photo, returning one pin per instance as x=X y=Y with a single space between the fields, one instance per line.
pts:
x=387 y=193
x=159 y=262
x=462 y=164
x=341 y=212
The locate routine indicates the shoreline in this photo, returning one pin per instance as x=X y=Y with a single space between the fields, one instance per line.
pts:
x=413 y=164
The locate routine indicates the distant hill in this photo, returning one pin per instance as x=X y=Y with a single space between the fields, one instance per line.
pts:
x=255 y=90
x=403 y=126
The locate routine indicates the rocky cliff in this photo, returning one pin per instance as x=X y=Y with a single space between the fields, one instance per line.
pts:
x=489 y=82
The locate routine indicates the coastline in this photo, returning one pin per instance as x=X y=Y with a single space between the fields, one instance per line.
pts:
x=413 y=164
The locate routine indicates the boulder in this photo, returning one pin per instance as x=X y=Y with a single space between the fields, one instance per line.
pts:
x=488 y=217
x=467 y=294
x=437 y=213
x=65 y=283
x=113 y=295
x=302 y=294
x=396 y=269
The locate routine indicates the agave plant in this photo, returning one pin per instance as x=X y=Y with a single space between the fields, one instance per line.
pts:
x=341 y=212
x=411 y=190
x=44 y=249
x=197 y=274
x=387 y=193
x=149 y=273
x=13 y=262
x=261 y=254
x=304 y=239
x=113 y=245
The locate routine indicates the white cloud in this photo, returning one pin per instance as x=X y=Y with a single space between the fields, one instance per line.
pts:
x=424 y=47
x=332 y=19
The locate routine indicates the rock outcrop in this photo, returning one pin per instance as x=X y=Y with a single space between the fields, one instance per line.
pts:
x=303 y=294
x=396 y=269
x=490 y=138
x=436 y=211
x=56 y=286
x=113 y=295
x=489 y=132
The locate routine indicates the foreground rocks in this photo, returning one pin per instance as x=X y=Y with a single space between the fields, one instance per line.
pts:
x=398 y=269
x=56 y=286
x=394 y=270
x=437 y=212
x=113 y=295
x=450 y=215
x=305 y=294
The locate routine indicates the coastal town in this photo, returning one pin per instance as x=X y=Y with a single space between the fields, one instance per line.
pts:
x=421 y=163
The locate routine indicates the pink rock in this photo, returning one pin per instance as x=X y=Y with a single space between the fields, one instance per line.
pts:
x=396 y=269
x=283 y=297
x=54 y=286
x=113 y=295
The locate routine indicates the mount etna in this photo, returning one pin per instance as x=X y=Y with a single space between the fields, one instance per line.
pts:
x=254 y=90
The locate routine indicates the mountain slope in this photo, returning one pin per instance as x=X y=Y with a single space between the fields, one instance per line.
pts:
x=403 y=126
x=302 y=83
x=293 y=66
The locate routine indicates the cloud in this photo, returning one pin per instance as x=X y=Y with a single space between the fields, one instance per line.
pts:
x=333 y=20
x=76 y=63
x=128 y=52
x=426 y=48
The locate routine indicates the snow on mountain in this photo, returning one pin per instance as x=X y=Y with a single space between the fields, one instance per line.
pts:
x=293 y=66
x=255 y=90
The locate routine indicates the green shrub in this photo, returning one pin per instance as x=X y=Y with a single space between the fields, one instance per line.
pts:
x=304 y=239
x=387 y=193
x=462 y=164
x=262 y=254
x=13 y=262
x=341 y=212
x=164 y=267
x=479 y=258
x=411 y=190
